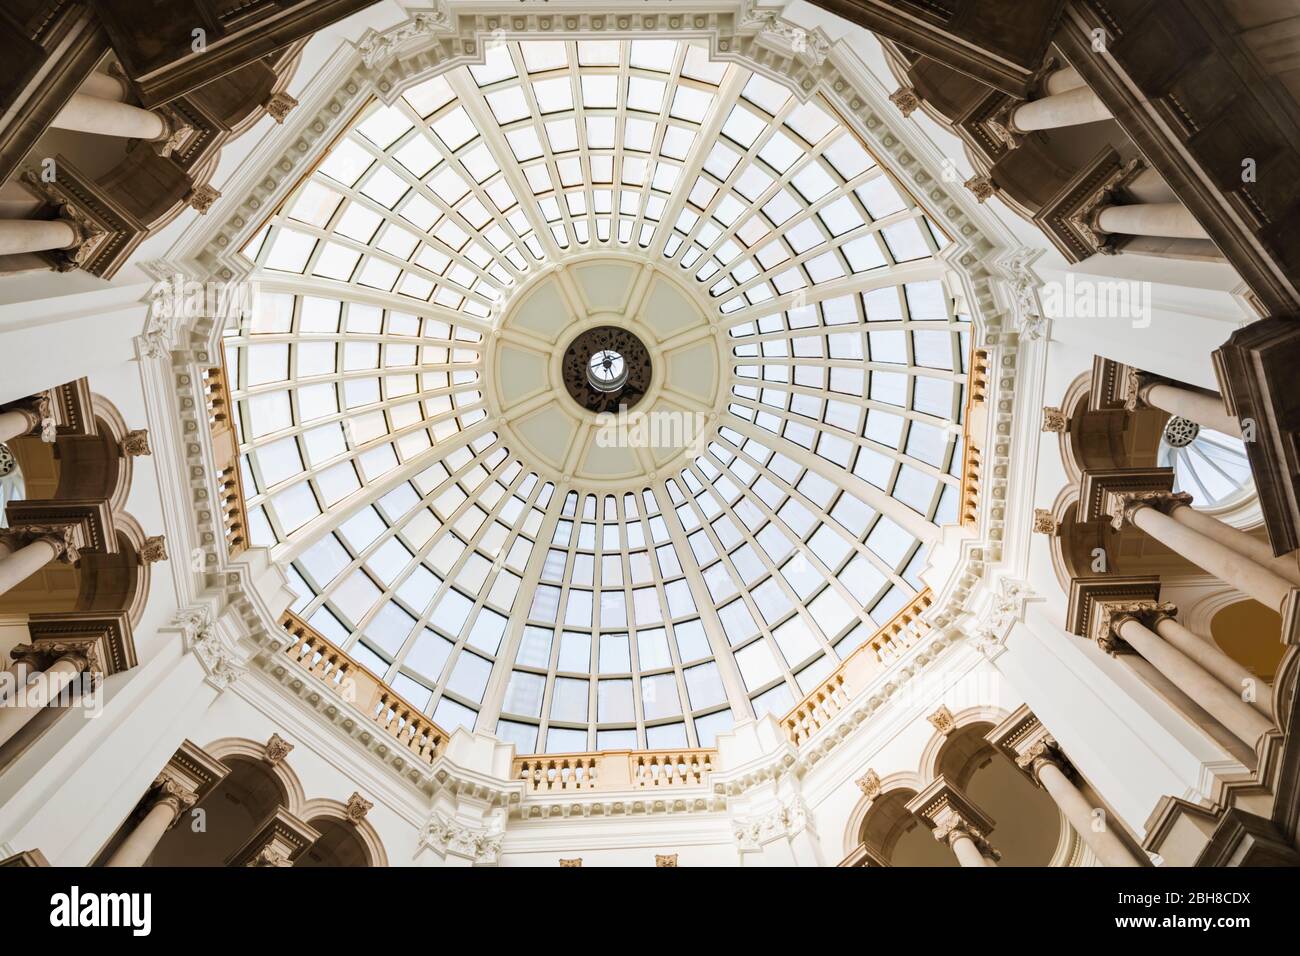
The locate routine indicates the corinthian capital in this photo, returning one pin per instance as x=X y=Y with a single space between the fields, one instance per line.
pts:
x=1121 y=506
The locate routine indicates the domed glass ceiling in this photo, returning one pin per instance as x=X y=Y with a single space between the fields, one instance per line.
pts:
x=450 y=515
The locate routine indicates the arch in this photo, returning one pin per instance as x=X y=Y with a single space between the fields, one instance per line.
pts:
x=854 y=828
x=324 y=808
x=933 y=755
x=227 y=747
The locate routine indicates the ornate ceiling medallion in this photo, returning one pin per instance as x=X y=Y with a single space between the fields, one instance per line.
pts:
x=606 y=368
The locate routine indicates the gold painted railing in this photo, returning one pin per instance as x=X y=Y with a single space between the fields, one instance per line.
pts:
x=615 y=770
x=977 y=392
x=396 y=717
x=856 y=671
x=225 y=451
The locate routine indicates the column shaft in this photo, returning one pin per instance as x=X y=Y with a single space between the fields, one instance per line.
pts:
x=34 y=235
x=1070 y=108
x=17 y=567
x=1218 y=664
x=105 y=87
x=1168 y=219
x=143 y=840
x=967 y=853
x=1219 y=702
x=1063 y=80
x=1222 y=562
x=62 y=673
x=1110 y=849
x=1195 y=406
x=1239 y=541
x=90 y=114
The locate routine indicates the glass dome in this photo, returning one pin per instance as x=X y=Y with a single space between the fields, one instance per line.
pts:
x=1208 y=464
x=454 y=519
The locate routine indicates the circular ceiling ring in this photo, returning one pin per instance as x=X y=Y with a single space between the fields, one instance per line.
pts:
x=606 y=368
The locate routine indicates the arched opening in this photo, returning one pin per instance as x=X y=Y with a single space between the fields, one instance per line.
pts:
x=225 y=819
x=1251 y=635
x=338 y=845
x=899 y=837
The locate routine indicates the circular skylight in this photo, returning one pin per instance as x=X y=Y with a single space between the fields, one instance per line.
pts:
x=574 y=579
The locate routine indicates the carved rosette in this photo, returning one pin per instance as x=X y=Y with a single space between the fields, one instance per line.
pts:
x=1122 y=505
x=358 y=807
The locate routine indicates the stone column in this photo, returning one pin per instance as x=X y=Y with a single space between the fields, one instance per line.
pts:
x=105 y=87
x=63 y=663
x=1147 y=510
x=163 y=806
x=1214 y=661
x=1206 y=410
x=956 y=822
x=1239 y=541
x=16 y=422
x=1050 y=770
x=1170 y=220
x=1063 y=80
x=1072 y=107
x=91 y=114
x=37 y=235
x=31 y=548
x=1126 y=622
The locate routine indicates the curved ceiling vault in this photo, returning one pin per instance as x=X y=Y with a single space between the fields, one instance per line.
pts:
x=449 y=514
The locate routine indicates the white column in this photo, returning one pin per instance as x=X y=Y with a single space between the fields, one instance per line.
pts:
x=1191 y=404
x=91 y=114
x=1063 y=80
x=165 y=805
x=1070 y=108
x=105 y=87
x=1210 y=657
x=15 y=423
x=1222 y=562
x=36 y=235
x=1045 y=764
x=58 y=676
x=1244 y=544
x=1168 y=219
x=1219 y=702
x=964 y=846
x=21 y=564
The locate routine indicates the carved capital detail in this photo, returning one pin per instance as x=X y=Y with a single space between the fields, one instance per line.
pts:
x=981 y=187
x=136 y=443
x=905 y=99
x=277 y=748
x=869 y=784
x=1044 y=523
x=280 y=105
x=358 y=807
x=202 y=197
x=154 y=549
x=1122 y=505
x=1054 y=419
